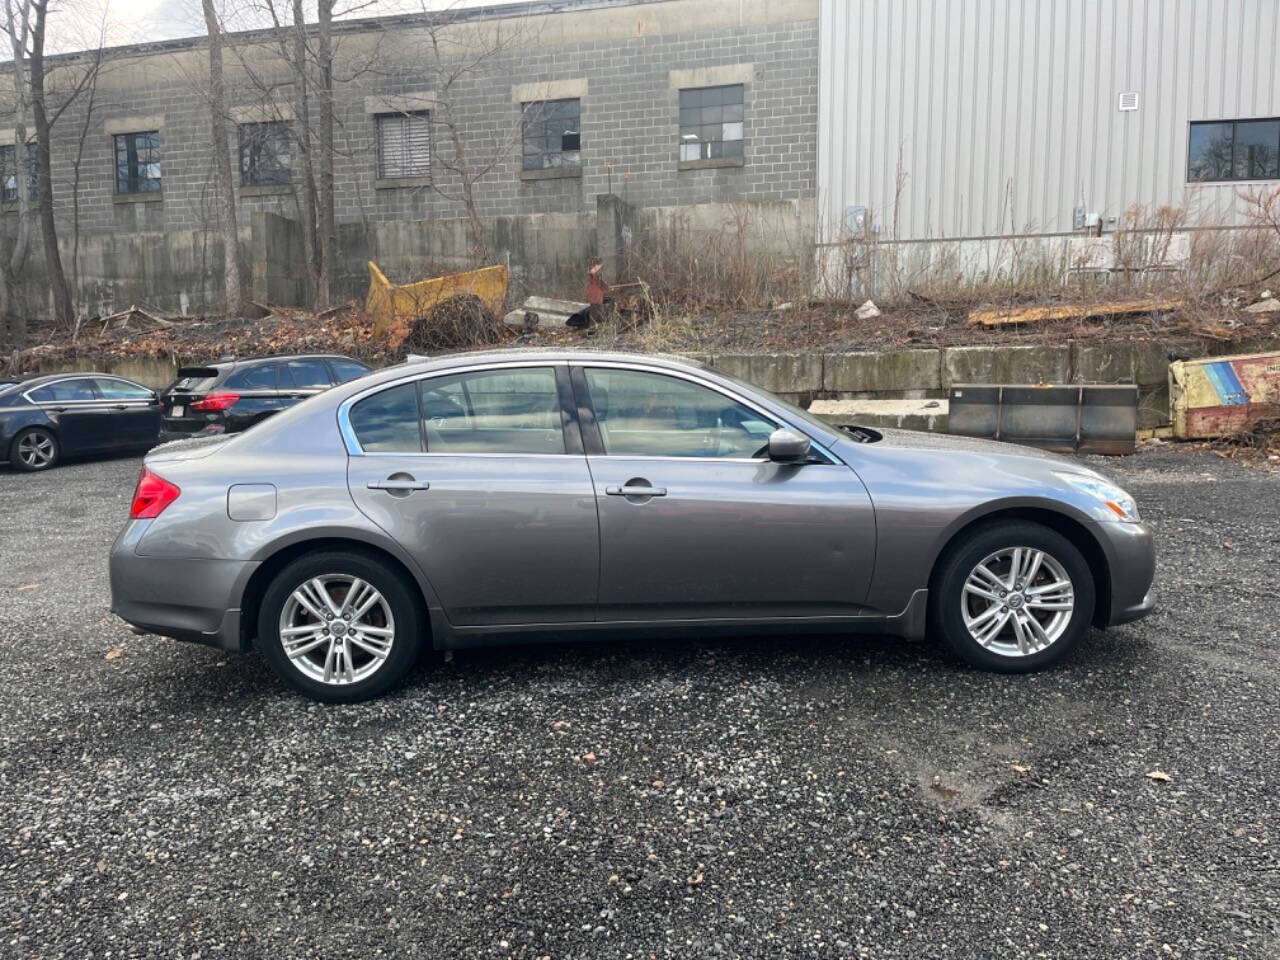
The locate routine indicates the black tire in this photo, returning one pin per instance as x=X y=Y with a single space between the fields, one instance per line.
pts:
x=946 y=593
x=400 y=594
x=23 y=466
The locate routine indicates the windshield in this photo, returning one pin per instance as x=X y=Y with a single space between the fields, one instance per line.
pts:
x=825 y=431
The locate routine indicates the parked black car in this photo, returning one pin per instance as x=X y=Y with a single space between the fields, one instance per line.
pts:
x=44 y=419
x=233 y=395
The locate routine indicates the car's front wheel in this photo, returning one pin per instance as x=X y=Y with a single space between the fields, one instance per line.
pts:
x=34 y=449
x=1012 y=597
x=340 y=627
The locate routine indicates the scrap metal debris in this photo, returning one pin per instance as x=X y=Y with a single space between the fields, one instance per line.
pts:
x=389 y=304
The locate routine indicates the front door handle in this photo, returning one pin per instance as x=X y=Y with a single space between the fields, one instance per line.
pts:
x=399 y=485
x=635 y=490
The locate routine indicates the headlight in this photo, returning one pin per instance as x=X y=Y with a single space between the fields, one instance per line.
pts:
x=1108 y=495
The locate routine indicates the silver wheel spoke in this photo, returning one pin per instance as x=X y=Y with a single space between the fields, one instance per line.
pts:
x=337 y=642
x=1007 y=611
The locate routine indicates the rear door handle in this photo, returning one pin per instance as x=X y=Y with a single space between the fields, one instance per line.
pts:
x=400 y=486
x=635 y=490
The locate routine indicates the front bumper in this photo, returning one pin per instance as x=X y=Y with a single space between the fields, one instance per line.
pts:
x=1131 y=556
x=193 y=600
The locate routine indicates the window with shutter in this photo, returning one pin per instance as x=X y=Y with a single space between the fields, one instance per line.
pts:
x=404 y=145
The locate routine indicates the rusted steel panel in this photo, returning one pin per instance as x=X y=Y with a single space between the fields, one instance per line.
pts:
x=1220 y=396
x=1096 y=418
x=387 y=303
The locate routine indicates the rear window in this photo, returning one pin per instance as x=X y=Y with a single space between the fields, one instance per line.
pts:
x=305 y=374
x=387 y=422
x=194 y=380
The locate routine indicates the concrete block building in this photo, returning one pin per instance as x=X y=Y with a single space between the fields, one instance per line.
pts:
x=689 y=106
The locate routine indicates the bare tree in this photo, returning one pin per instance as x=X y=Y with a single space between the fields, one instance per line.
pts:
x=459 y=56
x=15 y=249
x=326 y=216
x=233 y=289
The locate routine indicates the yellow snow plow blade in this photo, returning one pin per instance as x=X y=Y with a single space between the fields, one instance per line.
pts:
x=388 y=303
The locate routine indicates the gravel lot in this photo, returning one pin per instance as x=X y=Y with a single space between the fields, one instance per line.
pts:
x=809 y=797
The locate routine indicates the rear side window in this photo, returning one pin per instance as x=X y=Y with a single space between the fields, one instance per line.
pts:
x=348 y=370
x=261 y=377
x=493 y=411
x=65 y=390
x=305 y=374
x=114 y=389
x=387 y=422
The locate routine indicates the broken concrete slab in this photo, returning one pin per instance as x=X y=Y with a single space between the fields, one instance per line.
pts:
x=929 y=415
x=1268 y=305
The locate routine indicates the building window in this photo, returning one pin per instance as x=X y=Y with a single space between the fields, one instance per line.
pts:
x=138 y=162
x=552 y=134
x=711 y=122
x=266 y=154
x=9 y=174
x=1234 y=150
x=404 y=145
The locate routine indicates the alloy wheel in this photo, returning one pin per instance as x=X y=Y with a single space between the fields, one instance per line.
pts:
x=36 y=449
x=337 y=629
x=1017 y=601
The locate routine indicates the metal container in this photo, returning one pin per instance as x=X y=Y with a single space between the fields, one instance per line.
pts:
x=1091 y=418
x=1221 y=396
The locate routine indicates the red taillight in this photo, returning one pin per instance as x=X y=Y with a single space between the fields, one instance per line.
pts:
x=151 y=496
x=215 y=402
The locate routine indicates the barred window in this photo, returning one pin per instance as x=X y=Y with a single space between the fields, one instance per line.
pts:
x=266 y=154
x=9 y=174
x=552 y=134
x=711 y=122
x=404 y=145
x=1234 y=150
x=138 y=162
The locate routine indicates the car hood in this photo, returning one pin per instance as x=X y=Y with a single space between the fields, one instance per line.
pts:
x=919 y=440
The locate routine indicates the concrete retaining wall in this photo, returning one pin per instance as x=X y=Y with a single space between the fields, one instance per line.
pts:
x=929 y=373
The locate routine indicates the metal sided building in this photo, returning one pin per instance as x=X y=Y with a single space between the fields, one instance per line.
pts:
x=972 y=123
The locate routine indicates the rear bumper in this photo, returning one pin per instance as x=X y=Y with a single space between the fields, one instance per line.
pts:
x=193 y=600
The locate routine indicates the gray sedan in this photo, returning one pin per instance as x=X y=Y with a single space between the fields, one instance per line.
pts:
x=512 y=496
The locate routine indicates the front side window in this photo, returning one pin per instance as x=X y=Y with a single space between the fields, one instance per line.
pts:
x=552 y=134
x=493 y=411
x=1234 y=150
x=266 y=154
x=64 y=391
x=404 y=145
x=306 y=374
x=113 y=389
x=388 y=422
x=137 y=162
x=651 y=415
x=9 y=174
x=711 y=122
x=346 y=370
x=260 y=377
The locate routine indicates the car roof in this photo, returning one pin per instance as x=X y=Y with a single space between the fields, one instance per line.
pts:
x=225 y=365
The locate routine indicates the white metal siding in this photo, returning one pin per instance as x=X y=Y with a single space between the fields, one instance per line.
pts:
x=1005 y=112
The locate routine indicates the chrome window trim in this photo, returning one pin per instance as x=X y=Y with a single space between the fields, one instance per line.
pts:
x=53 y=383
x=355 y=450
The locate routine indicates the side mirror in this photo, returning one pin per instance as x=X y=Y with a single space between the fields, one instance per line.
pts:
x=787 y=446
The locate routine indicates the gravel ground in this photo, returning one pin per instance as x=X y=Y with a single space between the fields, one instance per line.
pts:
x=804 y=797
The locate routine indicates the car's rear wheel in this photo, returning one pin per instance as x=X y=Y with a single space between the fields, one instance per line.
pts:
x=340 y=627
x=1012 y=597
x=34 y=449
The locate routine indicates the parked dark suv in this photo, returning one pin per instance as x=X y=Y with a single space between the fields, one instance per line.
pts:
x=233 y=395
